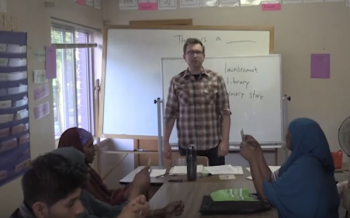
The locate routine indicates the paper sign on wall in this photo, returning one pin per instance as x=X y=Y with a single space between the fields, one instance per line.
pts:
x=271 y=6
x=41 y=92
x=148 y=5
x=40 y=55
x=41 y=110
x=50 y=52
x=40 y=76
x=320 y=66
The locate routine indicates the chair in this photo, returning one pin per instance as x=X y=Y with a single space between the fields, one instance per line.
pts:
x=181 y=161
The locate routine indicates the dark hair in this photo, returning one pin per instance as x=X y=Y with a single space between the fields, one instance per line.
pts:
x=52 y=178
x=193 y=41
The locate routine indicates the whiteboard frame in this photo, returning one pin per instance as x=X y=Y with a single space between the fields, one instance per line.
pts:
x=283 y=114
x=100 y=133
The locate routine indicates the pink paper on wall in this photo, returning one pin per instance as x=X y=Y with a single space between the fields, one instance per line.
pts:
x=149 y=6
x=41 y=110
x=81 y=2
x=41 y=92
x=50 y=55
x=320 y=66
x=271 y=6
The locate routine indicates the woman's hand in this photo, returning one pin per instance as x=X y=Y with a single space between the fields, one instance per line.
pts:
x=251 y=141
x=246 y=151
x=250 y=148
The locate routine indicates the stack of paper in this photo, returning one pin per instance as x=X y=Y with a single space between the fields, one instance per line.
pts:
x=272 y=168
x=157 y=172
x=225 y=170
x=183 y=169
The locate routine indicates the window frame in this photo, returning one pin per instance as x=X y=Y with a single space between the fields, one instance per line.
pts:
x=89 y=77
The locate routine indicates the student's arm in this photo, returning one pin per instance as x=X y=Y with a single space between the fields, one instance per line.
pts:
x=259 y=157
x=223 y=108
x=258 y=178
x=171 y=112
x=97 y=209
x=264 y=168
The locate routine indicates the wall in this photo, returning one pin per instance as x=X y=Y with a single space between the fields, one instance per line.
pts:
x=34 y=18
x=300 y=29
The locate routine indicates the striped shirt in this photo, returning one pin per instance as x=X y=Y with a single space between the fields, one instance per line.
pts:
x=197 y=105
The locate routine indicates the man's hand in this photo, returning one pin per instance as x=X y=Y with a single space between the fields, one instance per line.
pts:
x=137 y=208
x=223 y=148
x=166 y=149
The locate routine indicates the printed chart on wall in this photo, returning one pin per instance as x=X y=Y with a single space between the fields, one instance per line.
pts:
x=14 y=121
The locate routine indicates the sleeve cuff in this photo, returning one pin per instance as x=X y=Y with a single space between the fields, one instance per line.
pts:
x=268 y=191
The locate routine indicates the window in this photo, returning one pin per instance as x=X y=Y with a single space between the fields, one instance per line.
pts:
x=72 y=88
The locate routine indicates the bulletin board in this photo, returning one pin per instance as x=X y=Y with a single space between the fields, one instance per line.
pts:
x=14 y=119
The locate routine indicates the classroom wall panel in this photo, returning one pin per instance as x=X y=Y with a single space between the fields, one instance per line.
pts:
x=300 y=30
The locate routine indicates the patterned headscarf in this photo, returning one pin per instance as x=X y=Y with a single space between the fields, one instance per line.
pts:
x=84 y=135
x=75 y=137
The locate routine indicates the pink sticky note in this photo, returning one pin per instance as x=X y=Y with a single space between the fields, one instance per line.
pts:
x=271 y=6
x=50 y=54
x=149 y=6
x=81 y=2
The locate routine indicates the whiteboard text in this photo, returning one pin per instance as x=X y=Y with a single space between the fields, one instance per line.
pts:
x=240 y=70
x=251 y=95
x=182 y=39
x=236 y=82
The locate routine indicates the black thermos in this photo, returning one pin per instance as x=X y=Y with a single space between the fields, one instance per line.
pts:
x=191 y=161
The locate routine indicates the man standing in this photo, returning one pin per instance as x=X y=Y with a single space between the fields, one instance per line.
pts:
x=199 y=103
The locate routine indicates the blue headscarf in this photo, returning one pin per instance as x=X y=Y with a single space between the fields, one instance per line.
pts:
x=308 y=139
x=306 y=186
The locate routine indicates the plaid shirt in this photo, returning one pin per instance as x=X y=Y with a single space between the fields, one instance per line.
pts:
x=197 y=107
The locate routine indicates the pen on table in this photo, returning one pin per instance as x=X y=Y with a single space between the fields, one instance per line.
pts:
x=149 y=165
x=162 y=175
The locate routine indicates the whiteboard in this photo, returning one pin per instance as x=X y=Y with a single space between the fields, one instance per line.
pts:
x=254 y=84
x=132 y=79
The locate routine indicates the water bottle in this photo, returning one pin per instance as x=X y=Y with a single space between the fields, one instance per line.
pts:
x=191 y=162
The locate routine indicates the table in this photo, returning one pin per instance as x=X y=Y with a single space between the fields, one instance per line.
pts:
x=161 y=180
x=191 y=194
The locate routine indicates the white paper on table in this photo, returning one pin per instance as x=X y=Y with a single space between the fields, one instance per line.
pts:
x=249 y=178
x=183 y=169
x=272 y=168
x=225 y=170
x=157 y=172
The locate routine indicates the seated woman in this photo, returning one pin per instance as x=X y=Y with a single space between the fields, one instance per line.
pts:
x=97 y=209
x=83 y=141
x=304 y=186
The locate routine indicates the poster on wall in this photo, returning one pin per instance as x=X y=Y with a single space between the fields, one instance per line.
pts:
x=14 y=119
